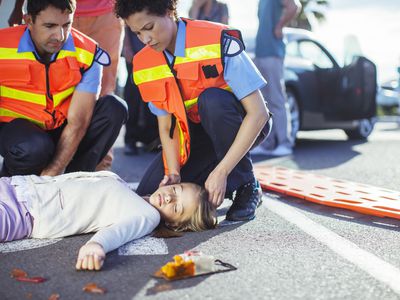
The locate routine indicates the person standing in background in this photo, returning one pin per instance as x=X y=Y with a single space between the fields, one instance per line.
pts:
x=16 y=15
x=96 y=19
x=270 y=52
x=209 y=10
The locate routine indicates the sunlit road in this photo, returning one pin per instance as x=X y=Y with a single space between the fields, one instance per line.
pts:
x=292 y=250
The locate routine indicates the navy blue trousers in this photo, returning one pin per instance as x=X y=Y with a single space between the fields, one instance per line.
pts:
x=221 y=115
x=28 y=149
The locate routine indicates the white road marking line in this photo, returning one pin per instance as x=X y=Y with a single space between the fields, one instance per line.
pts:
x=373 y=265
x=144 y=246
x=385 y=224
x=26 y=244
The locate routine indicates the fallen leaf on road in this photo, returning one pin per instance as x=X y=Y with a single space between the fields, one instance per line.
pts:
x=94 y=289
x=31 y=279
x=18 y=273
x=21 y=275
x=54 y=297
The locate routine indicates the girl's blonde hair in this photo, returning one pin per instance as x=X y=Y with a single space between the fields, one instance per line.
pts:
x=204 y=218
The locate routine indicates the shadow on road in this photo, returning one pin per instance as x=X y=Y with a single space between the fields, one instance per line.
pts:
x=313 y=154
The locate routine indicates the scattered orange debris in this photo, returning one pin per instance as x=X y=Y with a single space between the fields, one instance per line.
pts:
x=54 y=297
x=31 y=279
x=21 y=275
x=94 y=289
x=178 y=268
x=15 y=273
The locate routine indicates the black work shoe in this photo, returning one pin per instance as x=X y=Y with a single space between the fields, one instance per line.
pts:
x=247 y=199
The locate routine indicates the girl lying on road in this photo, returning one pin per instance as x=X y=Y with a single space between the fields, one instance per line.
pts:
x=101 y=202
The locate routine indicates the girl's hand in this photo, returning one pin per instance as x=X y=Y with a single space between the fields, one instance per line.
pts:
x=91 y=257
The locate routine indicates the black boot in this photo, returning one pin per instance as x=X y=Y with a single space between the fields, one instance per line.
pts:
x=247 y=199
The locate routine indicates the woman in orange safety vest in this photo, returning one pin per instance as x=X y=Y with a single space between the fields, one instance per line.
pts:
x=204 y=90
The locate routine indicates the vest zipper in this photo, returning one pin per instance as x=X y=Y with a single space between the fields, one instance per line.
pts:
x=47 y=66
x=49 y=96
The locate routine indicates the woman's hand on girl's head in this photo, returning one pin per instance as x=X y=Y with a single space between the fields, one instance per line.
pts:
x=170 y=179
x=216 y=187
x=91 y=257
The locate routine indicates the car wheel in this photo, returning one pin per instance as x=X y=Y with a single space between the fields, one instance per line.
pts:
x=294 y=110
x=362 y=131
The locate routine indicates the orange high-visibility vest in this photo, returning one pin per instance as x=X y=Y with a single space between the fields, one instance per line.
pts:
x=32 y=90
x=176 y=87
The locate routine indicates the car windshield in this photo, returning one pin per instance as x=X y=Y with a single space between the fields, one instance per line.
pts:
x=310 y=51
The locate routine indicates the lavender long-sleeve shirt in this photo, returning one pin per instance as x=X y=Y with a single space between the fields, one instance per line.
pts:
x=15 y=220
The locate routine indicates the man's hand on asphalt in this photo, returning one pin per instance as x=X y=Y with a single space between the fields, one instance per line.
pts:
x=91 y=257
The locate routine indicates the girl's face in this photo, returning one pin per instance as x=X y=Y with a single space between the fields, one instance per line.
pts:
x=176 y=203
x=157 y=32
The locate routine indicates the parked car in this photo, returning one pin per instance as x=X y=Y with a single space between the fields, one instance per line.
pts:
x=322 y=94
x=389 y=96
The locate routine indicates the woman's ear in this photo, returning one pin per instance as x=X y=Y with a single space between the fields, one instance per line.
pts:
x=171 y=14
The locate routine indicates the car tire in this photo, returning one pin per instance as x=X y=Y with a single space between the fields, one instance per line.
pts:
x=362 y=131
x=295 y=113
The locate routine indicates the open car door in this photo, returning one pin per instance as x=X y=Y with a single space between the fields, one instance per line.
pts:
x=357 y=94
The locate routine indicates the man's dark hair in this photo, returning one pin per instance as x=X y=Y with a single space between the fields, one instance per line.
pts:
x=125 y=8
x=36 y=6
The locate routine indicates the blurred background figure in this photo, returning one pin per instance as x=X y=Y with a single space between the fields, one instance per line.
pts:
x=273 y=15
x=96 y=19
x=209 y=10
x=141 y=127
x=352 y=48
x=16 y=14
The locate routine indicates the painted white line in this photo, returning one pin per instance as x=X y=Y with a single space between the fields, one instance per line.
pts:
x=373 y=265
x=144 y=246
x=26 y=244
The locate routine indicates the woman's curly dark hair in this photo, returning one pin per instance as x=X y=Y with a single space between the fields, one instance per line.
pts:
x=125 y=8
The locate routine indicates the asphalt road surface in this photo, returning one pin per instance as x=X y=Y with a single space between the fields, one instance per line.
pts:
x=293 y=249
